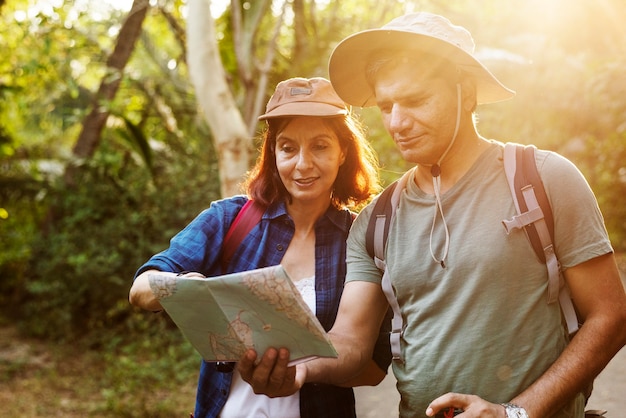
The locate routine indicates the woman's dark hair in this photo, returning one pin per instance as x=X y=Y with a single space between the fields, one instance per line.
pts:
x=357 y=180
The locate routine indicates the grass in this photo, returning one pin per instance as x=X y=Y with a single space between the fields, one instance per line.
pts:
x=153 y=375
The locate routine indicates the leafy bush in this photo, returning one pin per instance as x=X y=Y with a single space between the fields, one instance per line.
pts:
x=98 y=232
x=602 y=162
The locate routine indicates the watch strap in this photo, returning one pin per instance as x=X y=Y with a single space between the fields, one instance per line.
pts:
x=514 y=411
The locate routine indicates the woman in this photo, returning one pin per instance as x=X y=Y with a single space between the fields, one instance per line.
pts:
x=314 y=163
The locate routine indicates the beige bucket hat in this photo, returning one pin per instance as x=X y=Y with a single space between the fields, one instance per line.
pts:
x=304 y=97
x=423 y=32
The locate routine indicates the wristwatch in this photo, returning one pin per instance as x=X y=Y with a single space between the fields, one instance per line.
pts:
x=514 y=411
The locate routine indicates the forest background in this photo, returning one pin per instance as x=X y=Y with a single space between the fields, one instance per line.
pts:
x=120 y=121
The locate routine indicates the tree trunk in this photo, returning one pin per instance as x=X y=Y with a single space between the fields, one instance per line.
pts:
x=94 y=122
x=233 y=143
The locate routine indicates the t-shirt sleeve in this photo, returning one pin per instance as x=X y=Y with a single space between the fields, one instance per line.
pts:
x=580 y=233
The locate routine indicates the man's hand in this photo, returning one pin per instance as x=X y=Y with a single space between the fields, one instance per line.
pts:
x=471 y=405
x=271 y=376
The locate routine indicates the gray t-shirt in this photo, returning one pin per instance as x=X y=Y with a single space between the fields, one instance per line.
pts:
x=482 y=325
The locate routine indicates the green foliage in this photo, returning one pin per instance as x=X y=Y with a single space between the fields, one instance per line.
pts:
x=98 y=232
x=606 y=174
x=69 y=253
x=17 y=226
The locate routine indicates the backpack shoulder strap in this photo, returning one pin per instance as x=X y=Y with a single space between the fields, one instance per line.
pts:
x=384 y=211
x=249 y=215
x=375 y=242
x=527 y=177
x=381 y=217
x=534 y=216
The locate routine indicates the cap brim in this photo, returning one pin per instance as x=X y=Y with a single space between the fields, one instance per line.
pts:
x=349 y=58
x=304 y=109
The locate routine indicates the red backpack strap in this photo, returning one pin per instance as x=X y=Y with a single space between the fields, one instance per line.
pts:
x=249 y=215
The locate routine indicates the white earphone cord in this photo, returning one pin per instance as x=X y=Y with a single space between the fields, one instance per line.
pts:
x=436 y=172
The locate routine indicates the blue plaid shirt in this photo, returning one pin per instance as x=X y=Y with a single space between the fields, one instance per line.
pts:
x=198 y=248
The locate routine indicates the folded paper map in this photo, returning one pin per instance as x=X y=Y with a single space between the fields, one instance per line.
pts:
x=224 y=316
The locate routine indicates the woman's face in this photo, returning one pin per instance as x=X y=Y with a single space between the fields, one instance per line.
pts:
x=308 y=157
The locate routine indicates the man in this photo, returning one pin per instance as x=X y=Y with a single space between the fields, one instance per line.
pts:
x=479 y=336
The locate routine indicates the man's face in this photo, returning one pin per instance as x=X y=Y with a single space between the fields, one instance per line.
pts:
x=419 y=110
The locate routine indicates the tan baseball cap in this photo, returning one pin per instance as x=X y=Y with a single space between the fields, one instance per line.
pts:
x=420 y=32
x=304 y=97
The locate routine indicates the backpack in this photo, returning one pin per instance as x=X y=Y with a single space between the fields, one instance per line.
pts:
x=534 y=216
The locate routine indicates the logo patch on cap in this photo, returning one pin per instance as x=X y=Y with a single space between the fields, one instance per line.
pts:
x=297 y=91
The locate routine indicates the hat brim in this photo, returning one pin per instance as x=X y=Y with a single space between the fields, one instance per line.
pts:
x=349 y=58
x=304 y=109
